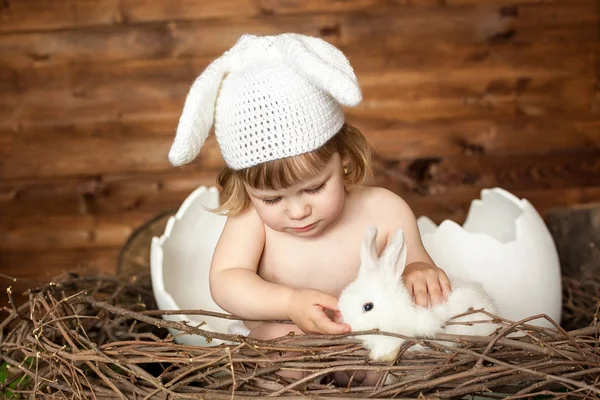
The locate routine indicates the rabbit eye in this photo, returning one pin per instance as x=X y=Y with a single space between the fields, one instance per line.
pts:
x=367 y=307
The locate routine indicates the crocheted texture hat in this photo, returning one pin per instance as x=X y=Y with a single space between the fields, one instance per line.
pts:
x=270 y=97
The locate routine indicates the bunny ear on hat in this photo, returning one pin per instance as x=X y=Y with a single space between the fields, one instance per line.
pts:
x=197 y=116
x=322 y=64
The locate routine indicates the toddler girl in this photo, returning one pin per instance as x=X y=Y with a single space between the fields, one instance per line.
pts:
x=293 y=188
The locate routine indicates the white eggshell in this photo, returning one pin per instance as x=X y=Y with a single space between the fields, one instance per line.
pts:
x=180 y=261
x=505 y=245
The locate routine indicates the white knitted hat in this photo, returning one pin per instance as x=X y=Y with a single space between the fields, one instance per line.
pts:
x=271 y=97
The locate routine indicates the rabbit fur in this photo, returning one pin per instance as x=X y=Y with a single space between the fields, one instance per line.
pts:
x=377 y=299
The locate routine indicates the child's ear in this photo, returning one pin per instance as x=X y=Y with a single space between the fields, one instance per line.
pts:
x=346 y=161
x=346 y=164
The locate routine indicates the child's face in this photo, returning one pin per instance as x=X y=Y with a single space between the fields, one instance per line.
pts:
x=304 y=209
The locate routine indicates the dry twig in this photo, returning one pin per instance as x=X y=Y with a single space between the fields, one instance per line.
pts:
x=99 y=337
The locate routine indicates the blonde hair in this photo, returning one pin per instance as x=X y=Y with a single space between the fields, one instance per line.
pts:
x=349 y=143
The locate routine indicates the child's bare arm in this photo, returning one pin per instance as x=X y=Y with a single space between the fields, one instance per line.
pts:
x=234 y=282
x=428 y=283
x=238 y=289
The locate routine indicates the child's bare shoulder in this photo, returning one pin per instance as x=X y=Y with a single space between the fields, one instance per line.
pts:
x=247 y=222
x=385 y=209
x=241 y=226
x=244 y=232
x=379 y=198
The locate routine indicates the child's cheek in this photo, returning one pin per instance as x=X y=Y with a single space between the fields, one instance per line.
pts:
x=274 y=219
x=335 y=202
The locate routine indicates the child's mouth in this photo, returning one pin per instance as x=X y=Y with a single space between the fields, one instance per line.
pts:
x=305 y=228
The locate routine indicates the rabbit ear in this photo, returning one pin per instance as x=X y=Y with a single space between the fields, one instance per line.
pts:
x=322 y=64
x=368 y=250
x=394 y=255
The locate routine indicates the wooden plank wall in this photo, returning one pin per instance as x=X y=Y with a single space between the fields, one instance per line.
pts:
x=459 y=95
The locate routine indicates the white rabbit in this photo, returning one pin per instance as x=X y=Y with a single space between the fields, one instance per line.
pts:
x=377 y=299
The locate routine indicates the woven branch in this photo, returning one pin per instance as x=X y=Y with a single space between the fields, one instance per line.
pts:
x=100 y=337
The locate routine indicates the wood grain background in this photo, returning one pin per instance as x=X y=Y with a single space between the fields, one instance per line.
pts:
x=459 y=95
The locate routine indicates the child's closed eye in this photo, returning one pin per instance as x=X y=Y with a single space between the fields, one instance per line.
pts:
x=275 y=200
x=317 y=189
x=270 y=202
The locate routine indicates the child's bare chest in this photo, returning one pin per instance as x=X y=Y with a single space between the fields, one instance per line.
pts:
x=327 y=265
x=305 y=267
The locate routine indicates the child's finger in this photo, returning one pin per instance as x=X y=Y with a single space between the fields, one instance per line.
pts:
x=420 y=294
x=435 y=291
x=446 y=286
x=337 y=317
x=326 y=325
x=327 y=301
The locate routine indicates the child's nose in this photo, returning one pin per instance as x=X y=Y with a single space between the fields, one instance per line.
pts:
x=298 y=210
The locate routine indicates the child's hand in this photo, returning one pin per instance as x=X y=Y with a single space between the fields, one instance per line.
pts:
x=307 y=309
x=428 y=284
